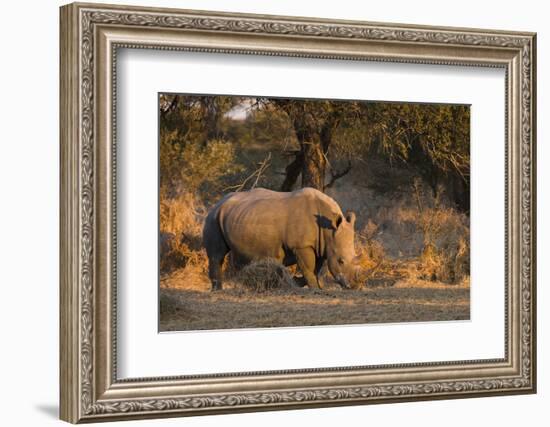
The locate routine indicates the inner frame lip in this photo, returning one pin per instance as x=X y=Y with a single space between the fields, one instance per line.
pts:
x=467 y=363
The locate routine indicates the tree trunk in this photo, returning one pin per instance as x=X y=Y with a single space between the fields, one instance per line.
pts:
x=313 y=131
x=293 y=171
x=313 y=170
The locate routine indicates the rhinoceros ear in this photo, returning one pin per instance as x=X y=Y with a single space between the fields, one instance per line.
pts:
x=350 y=217
x=338 y=221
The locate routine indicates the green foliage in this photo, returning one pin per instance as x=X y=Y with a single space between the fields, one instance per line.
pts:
x=262 y=126
x=193 y=167
x=197 y=118
x=425 y=136
x=207 y=165
x=194 y=156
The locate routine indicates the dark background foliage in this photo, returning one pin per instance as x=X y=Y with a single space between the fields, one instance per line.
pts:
x=212 y=144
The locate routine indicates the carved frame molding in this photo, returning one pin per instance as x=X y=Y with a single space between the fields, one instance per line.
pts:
x=90 y=37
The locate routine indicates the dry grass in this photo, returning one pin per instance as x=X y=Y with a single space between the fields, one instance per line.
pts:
x=182 y=214
x=445 y=256
x=441 y=236
x=181 y=220
x=374 y=266
x=263 y=276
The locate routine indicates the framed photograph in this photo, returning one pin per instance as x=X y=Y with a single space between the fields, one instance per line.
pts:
x=267 y=212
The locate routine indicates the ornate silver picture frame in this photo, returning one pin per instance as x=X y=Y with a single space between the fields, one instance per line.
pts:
x=91 y=36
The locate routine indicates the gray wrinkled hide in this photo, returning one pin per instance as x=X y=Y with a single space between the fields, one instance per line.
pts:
x=305 y=227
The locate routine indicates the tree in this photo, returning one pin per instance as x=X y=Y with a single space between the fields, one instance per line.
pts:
x=314 y=123
x=431 y=139
x=193 y=152
x=321 y=141
x=196 y=118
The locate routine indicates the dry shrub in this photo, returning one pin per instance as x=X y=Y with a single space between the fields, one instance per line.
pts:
x=181 y=220
x=446 y=239
x=371 y=251
x=446 y=254
x=264 y=275
x=371 y=256
x=183 y=214
x=436 y=240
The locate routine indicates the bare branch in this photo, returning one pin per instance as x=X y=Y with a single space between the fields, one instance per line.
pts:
x=256 y=175
x=335 y=175
x=263 y=166
x=292 y=171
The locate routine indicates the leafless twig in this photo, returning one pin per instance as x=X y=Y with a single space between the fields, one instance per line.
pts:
x=256 y=175
x=335 y=175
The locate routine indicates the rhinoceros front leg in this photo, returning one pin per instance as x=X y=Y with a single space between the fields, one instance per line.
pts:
x=306 y=261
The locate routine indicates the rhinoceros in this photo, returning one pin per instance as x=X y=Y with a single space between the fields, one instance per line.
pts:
x=304 y=227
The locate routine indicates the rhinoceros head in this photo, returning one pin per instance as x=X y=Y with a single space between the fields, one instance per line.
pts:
x=340 y=249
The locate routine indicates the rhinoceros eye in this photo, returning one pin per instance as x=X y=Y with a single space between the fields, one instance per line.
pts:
x=340 y=260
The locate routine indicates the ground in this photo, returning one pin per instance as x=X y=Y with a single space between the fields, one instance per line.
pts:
x=198 y=308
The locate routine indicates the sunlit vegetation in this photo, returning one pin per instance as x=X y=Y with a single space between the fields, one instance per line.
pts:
x=404 y=168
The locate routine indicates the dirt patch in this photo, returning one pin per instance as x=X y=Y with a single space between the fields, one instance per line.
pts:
x=236 y=307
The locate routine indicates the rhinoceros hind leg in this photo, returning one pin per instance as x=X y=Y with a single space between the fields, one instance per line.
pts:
x=216 y=250
x=306 y=261
x=215 y=272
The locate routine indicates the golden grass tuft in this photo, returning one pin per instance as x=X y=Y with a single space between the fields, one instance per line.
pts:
x=446 y=254
x=373 y=264
x=183 y=214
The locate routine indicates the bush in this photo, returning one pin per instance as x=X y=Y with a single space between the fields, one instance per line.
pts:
x=445 y=255
x=370 y=255
x=183 y=214
x=181 y=220
x=435 y=239
x=190 y=167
